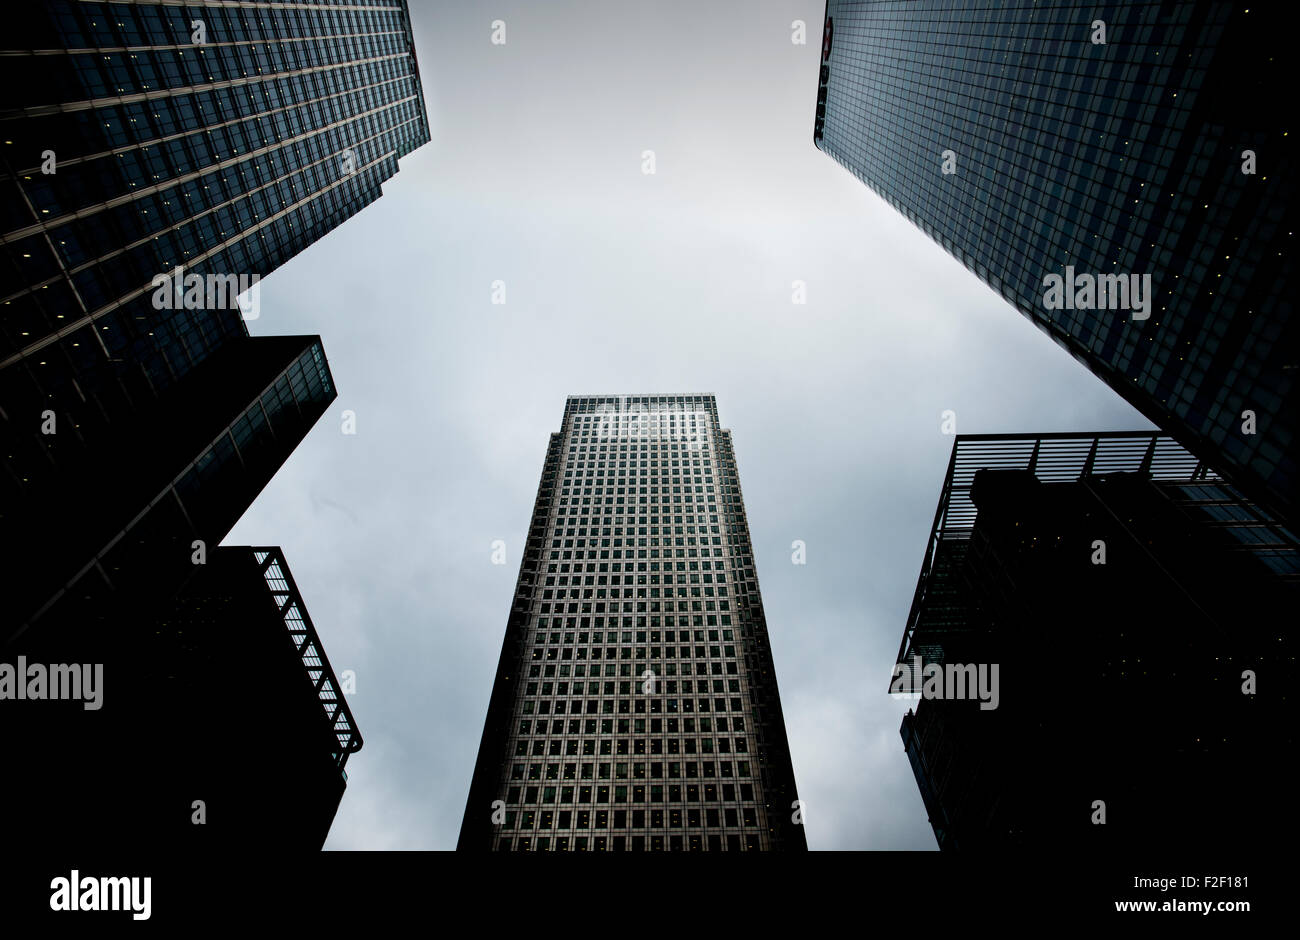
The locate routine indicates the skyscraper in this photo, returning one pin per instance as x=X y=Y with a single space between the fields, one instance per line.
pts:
x=1138 y=611
x=1118 y=173
x=220 y=724
x=635 y=706
x=155 y=162
x=181 y=478
x=202 y=697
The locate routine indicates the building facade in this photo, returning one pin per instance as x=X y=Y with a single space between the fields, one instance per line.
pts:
x=201 y=698
x=1116 y=172
x=1139 y=611
x=155 y=162
x=635 y=705
x=220 y=719
x=179 y=481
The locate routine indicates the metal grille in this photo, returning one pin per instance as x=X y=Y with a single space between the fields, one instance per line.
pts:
x=296 y=619
x=1052 y=458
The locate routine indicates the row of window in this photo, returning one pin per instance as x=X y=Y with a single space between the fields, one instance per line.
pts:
x=639 y=819
x=689 y=770
x=599 y=636
x=637 y=726
x=98 y=24
x=626 y=623
x=625 y=747
x=693 y=843
x=626 y=668
x=656 y=652
x=637 y=706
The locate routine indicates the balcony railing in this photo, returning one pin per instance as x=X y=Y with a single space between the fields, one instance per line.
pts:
x=317 y=668
x=1052 y=458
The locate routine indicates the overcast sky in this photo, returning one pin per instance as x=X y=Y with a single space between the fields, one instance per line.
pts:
x=622 y=282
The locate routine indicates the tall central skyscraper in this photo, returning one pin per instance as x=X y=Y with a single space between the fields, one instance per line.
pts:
x=1093 y=143
x=635 y=705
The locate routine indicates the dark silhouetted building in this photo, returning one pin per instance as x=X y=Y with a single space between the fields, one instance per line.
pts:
x=156 y=161
x=1141 y=614
x=1137 y=141
x=635 y=706
x=219 y=706
x=185 y=476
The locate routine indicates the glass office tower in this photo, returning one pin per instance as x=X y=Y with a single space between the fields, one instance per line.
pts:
x=1141 y=141
x=136 y=139
x=1140 y=612
x=215 y=441
x=206 y=144
x=635 y=705
x=156 y=161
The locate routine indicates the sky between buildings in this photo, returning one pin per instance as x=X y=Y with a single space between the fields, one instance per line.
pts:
x=621 y=282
